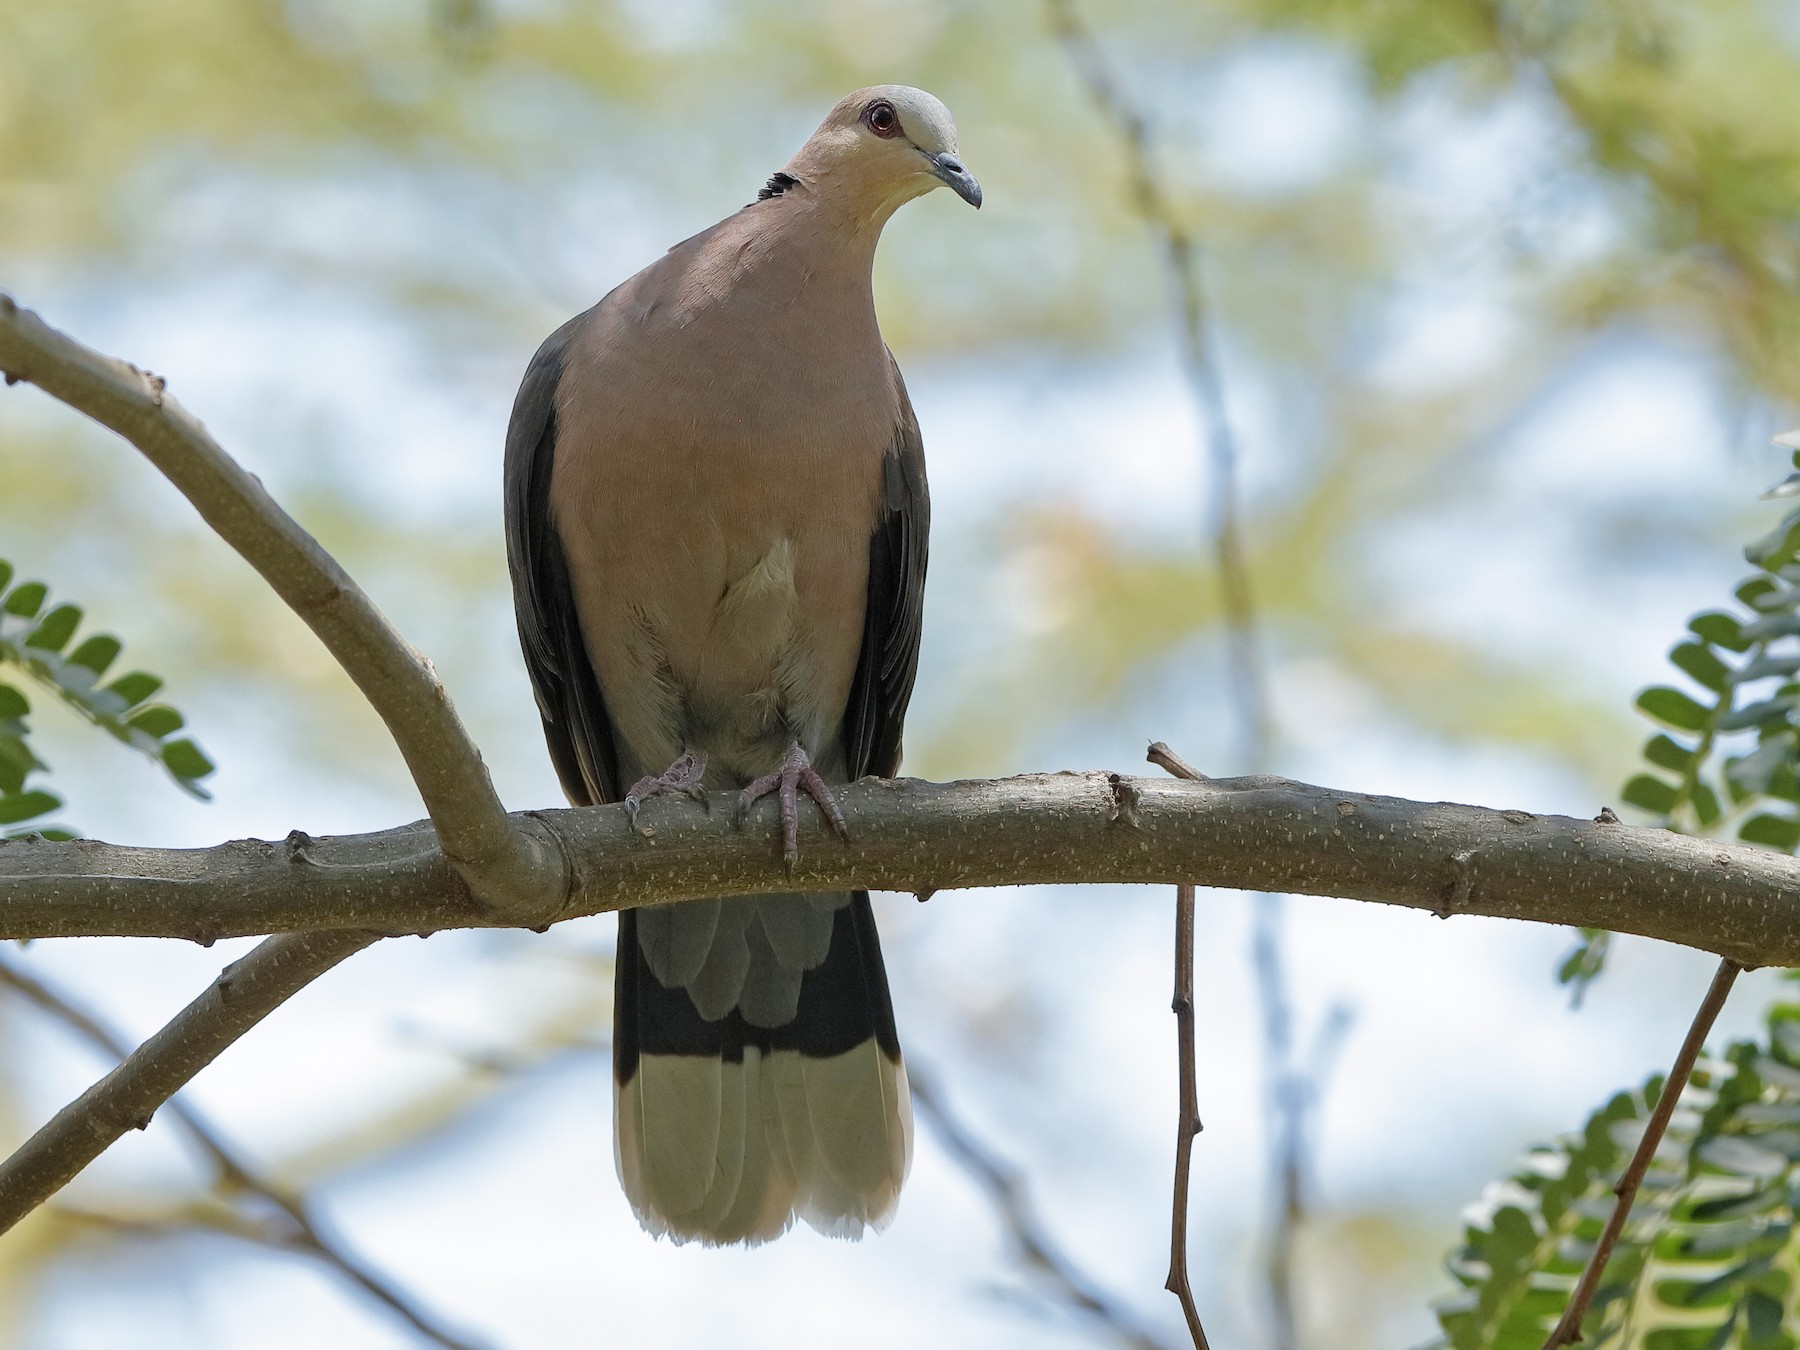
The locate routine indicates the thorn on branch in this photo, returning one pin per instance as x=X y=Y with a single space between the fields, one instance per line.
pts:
x=298 y=842
x=1462 y=887
x=1165 y=758
x=1124 y=800
x=1606 y=817
x=926 y=894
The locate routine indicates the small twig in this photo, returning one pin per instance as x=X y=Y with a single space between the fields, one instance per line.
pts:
x=1568 y=1330
x=125 y=1099
x=1188 y=1124
x=1071 y=1284
x=232 y=1175
x=1188 y=1120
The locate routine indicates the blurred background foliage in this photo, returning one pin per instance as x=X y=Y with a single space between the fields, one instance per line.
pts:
x=1506 y=297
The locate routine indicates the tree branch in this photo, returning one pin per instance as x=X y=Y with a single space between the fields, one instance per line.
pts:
x=1261 y=833
x=1568 y=1328
x=505 y=863
x=234 y=1177
x=245 y=992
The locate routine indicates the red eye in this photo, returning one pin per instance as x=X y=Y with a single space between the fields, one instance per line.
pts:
x=882 y=119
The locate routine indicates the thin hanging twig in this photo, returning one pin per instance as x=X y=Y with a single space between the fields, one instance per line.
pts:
x=1568 y=1330
x=232 y=1175
x=1188 y=1125
x=1188 y=1121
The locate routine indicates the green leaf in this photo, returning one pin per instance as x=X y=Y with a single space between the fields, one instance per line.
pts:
x=1755 y=772
x=75 y=679
x=25 y=600
x=1776 y=548
x=186 y=761
x=1672 y=708
x=17 y=806
x=96 y=653
x=1698 y=662
x=1706 y=804
x=1720 y=629
x=54 y=630
x=158 y=720
x=1755 y=590
x=1582 y=966
x=1772 y=831
x=1769 y=712
x=1651 y=793
x=1667 y=753
x=134 y=688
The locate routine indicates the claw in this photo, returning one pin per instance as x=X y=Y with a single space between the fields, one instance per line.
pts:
x=795 y=775
x=683 y=776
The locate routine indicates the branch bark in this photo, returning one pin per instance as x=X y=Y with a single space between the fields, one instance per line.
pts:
x=505 y=863
x=1260 y=833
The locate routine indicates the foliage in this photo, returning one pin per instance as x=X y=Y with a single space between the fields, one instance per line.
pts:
x=37 y=639
x=1710 y=1256
x=1708 y=1259
x=1740 y=692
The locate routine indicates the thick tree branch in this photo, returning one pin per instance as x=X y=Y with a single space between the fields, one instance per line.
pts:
x=505 y=863
x=1261 y=833
x=245 y=992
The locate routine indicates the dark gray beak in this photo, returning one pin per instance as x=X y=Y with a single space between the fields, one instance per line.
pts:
x=961 y=181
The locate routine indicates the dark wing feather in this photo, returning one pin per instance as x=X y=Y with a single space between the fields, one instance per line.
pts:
x=576 y=726
x=892 y=623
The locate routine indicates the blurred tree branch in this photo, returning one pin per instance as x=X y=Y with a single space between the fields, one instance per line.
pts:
x=291 y=1227
x=1289 y=1092
x=1066 y=1281
x=126 y=1098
